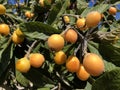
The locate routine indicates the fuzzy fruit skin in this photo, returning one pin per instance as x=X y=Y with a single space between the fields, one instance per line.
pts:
x=60 y=57
x=80 y=22
x=55 y=42
x=17 y=38
x=29 y=14
x=93 y=18
x=71 y=36
x=36 y=60
x=23 y=65
x=66 y=19
x=93 y=64
x=72 y=64
x=2 y=9
x=112 y=10
x=4 y=29
x=82 y=74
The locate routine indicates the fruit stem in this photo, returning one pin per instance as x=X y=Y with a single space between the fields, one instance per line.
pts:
x=91 y=80
x=80 y=35
x=76 y=50
x=62 y=33
x=30 y=48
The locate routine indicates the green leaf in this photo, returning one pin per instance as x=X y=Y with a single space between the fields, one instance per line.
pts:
x=37 y=30
x=82 y=4
x=21 y=79
x=93 y=47
x=108 y=81
x=6 y=54
x=110 y=52
x=109 y=66
x=88 y=86
x=38 y=77
x=57 y=10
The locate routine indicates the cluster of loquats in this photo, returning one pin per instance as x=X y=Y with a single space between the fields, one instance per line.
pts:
x=56 y=42
x=92 y=19
x=92 y=65
x=35 y=60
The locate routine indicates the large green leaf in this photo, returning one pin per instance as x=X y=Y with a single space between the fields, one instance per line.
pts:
x=110 y=52
x=108 y=81
x=39 y=27
x=37 y=30
x=109 y=66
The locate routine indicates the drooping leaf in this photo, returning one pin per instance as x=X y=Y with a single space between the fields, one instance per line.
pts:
x=108 y=81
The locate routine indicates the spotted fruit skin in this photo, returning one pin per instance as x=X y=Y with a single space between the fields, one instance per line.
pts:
x=23 y=65
x=36 y=59
x=93 y=18
x=60 y=57
x=55 y=42
x=93 y=64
